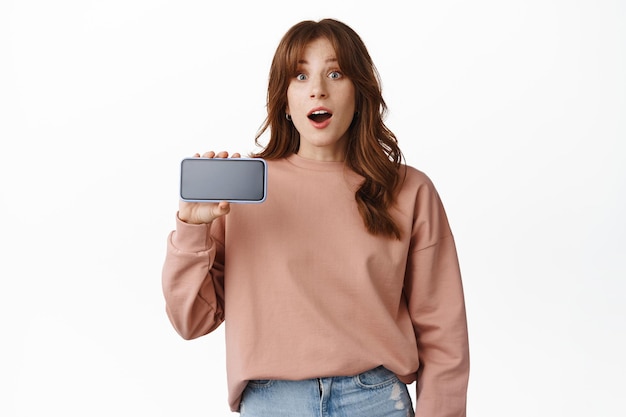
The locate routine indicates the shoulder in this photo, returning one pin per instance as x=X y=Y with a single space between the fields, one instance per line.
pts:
x=414 y=180
x=278 y=166
x=419 y=206
x=418 y=195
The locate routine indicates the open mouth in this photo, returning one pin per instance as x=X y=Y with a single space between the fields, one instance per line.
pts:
x=319 y=116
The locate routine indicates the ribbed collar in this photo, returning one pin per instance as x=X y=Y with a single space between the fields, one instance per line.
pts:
x=315 y=165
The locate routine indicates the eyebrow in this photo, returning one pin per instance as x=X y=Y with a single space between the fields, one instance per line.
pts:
x=328 y=60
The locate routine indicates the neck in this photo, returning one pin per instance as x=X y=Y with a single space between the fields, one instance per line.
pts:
x=336 y=153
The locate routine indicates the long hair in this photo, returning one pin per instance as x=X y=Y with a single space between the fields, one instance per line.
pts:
x=372 y=149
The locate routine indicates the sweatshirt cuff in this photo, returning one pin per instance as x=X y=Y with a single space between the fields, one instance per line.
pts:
x=191 y=237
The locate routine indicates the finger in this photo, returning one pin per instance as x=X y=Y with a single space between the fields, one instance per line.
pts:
x=222 y=154
x=236 y=155
x=209 y=154
x=223 y=207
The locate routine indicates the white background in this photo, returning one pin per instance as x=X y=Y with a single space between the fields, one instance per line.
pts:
x=515 y=109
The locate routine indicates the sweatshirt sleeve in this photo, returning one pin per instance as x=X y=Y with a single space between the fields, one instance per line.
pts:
x=193 y=280
x=437 y=307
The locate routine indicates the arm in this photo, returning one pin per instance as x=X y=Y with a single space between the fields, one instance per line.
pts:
x=193 y=273
x=193 y=279
x=437 y=307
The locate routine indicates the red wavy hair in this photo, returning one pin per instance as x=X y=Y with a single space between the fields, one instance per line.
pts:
x=372 y=149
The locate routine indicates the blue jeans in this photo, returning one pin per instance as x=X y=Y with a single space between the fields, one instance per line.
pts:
x=375 y=393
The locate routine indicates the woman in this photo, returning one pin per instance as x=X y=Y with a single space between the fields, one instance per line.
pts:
x=344 y=285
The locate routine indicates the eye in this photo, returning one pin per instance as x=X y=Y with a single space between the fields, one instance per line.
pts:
x=301 y=77
x=335 y=75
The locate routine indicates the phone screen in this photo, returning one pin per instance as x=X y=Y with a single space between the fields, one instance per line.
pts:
x=238 y=180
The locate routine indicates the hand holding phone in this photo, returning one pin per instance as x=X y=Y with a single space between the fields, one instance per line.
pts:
x=208 y=185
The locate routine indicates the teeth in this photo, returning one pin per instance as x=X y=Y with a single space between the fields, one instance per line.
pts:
x=320 y=112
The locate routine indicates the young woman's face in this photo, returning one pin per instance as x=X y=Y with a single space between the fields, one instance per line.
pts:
x=321 y=102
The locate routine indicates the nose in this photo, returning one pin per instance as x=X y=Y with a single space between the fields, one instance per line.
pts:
x=318 y=87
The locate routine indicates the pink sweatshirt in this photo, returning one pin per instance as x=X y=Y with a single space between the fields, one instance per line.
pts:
x=306 y=292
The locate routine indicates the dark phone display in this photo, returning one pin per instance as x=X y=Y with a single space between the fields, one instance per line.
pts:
x=214 y=179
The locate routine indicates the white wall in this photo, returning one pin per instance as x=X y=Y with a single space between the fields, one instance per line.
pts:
x=514 y=108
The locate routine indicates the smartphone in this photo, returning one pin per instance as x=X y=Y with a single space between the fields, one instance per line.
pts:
x=236 y=180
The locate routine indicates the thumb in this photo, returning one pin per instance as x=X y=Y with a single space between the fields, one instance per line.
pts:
x=223 y=208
